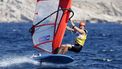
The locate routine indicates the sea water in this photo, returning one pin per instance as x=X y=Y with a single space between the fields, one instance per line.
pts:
x=102 y=50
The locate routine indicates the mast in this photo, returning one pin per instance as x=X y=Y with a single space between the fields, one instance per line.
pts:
x=63 y=4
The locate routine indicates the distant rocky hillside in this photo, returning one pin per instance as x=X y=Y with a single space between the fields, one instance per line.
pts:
x=23 y=10
x=16 y=10
x=108 y=10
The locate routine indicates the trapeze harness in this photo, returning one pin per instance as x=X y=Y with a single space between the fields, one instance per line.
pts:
x=79 y=42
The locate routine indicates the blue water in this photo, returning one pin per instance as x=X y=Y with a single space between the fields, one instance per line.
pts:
x=103 y=48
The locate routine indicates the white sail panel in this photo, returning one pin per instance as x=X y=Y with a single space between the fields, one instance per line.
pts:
x=44 y=31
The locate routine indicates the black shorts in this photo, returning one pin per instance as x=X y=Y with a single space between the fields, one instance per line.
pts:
x=76 y=48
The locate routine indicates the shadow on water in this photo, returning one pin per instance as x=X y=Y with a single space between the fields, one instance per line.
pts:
x=57 y=67
x=53 y=67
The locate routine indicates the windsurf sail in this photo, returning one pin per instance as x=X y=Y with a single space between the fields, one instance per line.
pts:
x=49 y=24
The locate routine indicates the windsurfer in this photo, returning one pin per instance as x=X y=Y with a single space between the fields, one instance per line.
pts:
x=81 y=35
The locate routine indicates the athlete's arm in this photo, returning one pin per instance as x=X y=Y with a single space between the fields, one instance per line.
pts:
x=68 y=28
x=77 y=28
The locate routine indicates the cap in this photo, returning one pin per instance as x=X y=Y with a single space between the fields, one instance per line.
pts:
x=82 y=23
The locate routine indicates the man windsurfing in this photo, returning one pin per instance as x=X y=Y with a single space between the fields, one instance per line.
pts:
x=81 y=35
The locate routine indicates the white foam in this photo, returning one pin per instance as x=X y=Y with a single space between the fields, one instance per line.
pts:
x=17 y=60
